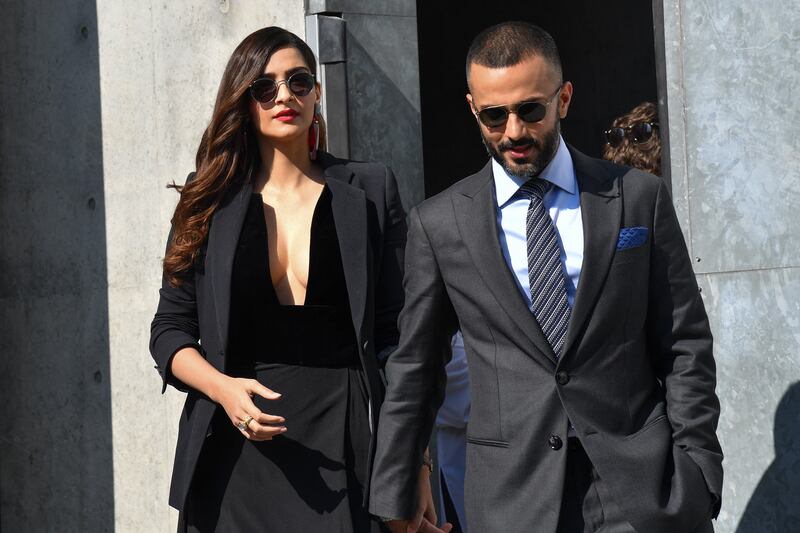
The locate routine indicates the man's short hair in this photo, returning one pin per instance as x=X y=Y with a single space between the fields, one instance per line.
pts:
x=509 y=43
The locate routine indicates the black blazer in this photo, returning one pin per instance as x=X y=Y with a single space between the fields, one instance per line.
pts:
x=371 y=228
x=636 y=377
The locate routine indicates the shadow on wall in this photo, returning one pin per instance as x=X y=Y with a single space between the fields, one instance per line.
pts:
x=774 y=506
x=384 y=125
x=55 y=404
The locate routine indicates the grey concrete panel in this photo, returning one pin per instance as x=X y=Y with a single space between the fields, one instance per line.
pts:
x=733 y=128
x=160 y=64
x=384 y=100
x=676 y=113
x=399 y=8
x=56 y=464
x=755 y=317
x=774 y=505
x=660 y=48
x=332 y=37
x=335 y=109
x=742 y=83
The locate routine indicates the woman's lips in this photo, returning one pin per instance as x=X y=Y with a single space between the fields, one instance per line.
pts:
x=286 y=116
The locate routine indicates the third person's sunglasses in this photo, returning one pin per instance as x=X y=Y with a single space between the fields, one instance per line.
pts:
x=265 y=90
x=636 y=133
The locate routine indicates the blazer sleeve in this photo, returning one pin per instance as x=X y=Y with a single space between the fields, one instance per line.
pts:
x=416 y=379
x=389 y=282
x=680 y=337
x=175 y=325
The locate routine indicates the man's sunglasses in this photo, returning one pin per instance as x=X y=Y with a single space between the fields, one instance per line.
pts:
x=636 y=133
x=264 y=90
x=530 y=112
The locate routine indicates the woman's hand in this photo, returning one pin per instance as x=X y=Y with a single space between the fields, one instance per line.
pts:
x=424 y=520
x=235 y=395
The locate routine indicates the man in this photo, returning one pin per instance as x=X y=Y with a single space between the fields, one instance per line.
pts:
x=590 y=357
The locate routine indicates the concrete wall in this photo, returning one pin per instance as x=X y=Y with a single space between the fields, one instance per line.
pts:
x=102 y=103
x=383 y=95
x=733 y=78
x=55 y=447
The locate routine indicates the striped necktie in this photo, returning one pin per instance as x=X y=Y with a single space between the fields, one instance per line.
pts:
x=545 y=273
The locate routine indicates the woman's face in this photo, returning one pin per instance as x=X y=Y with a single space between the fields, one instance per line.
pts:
x=287 y=117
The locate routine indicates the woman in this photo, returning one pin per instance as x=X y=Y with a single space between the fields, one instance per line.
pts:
x=282 y=281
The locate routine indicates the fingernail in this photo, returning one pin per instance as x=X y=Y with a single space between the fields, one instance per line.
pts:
x=283 y=430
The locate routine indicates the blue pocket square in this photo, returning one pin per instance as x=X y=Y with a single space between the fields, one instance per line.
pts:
x=631 y=237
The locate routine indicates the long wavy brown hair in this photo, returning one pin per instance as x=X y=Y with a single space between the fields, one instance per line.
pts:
x=228 y=153
x=644 y=156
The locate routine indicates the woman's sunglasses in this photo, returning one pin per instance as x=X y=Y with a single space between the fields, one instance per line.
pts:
x=530 y=112
x=636 y=133
x=264 y=90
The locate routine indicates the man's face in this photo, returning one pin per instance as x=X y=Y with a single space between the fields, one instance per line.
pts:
x=523 y=148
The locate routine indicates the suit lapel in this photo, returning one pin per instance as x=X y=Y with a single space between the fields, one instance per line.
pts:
x=601 y=211
x=349 y=208
x=223 y=237
x=476 y=215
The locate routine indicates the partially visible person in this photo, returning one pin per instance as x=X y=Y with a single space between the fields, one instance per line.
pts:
x=633 y=139
x=451 y=438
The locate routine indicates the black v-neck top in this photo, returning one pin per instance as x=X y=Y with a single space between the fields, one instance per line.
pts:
x=262 y=330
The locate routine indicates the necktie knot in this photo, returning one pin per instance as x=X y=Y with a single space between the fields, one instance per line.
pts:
x=535 y=188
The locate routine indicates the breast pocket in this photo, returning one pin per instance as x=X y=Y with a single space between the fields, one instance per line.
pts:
x=632 y=255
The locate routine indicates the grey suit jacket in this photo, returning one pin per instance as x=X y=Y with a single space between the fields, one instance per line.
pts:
x=636 y=379
x=371 y=229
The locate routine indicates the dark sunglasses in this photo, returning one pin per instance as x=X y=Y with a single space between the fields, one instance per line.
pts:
x=636 y=133
x=529 y=112
x=264 y=90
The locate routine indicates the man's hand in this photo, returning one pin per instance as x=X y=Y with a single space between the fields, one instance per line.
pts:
x=405 y=526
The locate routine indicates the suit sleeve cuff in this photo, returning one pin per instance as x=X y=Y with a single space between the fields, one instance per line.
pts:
x=167 y=378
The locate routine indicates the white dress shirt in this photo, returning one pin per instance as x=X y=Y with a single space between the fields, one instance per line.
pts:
x=451 y=431
x=562 y=202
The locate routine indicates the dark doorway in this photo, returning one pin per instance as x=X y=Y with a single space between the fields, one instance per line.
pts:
x=607 y=51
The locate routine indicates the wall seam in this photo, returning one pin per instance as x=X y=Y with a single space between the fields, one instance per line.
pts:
x=748 y=270
x=684 y=140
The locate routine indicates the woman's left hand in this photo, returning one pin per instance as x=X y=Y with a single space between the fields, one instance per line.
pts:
x=425 y=519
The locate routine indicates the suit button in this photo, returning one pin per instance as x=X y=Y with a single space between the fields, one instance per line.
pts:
x=366 y=345
x=562 y=377
x=555 y=442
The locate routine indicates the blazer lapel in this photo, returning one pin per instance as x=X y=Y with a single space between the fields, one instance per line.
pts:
x=349 y=206
x=476 y=215
x=223 y=237
x=601 y=211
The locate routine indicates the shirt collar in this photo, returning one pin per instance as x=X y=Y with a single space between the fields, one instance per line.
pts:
x=559 y=171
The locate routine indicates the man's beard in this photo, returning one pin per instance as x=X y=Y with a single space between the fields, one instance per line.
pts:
x=546 y=148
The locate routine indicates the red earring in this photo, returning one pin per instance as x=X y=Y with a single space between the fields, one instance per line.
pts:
x=313 y=139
